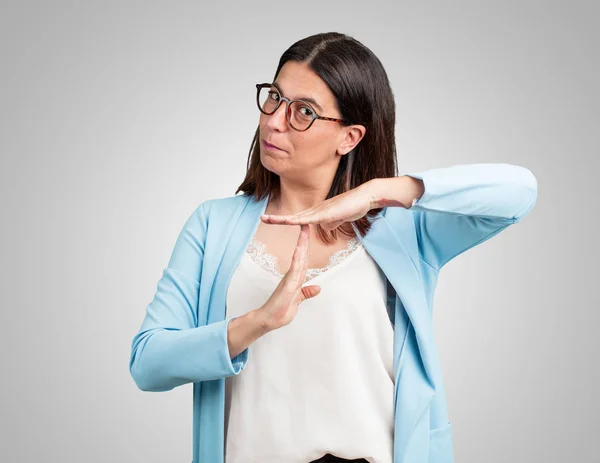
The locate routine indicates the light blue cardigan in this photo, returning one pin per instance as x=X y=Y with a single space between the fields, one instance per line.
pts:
x=183 y=337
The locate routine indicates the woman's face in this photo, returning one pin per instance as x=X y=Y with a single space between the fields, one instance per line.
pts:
x=307 y=151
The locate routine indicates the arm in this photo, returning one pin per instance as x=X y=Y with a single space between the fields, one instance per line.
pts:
x=170 y=349
x=458 y=207
x=244 y=330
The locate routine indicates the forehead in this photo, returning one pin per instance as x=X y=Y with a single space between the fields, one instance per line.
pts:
x=297 y=81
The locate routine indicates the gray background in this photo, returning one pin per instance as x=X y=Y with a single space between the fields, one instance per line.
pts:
x=119 y=118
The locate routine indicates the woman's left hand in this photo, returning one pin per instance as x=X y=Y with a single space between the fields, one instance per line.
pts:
x=331 y=213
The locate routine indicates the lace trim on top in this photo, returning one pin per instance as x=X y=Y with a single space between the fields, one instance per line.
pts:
x=256 y=251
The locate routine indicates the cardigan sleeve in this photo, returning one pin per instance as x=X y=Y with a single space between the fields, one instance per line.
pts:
x=467 y=204
x=170 y=349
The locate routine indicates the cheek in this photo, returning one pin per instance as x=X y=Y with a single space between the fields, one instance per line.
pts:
x=316 y=147
x=261 y=124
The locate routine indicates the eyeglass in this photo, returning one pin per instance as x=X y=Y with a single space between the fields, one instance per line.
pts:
x=300 y=114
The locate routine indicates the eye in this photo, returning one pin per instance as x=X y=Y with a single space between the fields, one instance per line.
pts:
x=306 y=111
x=274 y=95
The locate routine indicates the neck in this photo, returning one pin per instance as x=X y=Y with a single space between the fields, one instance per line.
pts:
x=294 y=197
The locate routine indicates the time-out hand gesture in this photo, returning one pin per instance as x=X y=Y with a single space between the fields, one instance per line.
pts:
x=331 y=213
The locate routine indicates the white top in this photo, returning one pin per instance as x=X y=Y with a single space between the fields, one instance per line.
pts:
x=324 y=383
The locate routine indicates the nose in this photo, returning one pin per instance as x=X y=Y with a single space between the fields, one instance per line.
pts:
x=278 y=120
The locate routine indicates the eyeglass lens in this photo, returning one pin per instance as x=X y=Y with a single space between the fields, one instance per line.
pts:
x=300 y=114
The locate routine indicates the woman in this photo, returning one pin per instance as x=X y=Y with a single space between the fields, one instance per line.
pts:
x=325 y=270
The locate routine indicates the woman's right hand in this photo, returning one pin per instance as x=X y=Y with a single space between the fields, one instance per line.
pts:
x=281 y=308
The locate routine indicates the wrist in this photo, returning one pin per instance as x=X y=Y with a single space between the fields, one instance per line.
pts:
x=259 y=321
x=373 y=190
x=393 y=191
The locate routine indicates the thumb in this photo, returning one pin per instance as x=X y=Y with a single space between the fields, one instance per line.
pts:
x=306 y=292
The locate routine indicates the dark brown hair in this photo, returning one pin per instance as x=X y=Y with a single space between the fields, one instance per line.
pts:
x=363 y=95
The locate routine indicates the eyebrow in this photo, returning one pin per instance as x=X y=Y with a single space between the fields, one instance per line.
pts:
x=305 y=98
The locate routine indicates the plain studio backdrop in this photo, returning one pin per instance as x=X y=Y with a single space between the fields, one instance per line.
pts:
x=119 y=118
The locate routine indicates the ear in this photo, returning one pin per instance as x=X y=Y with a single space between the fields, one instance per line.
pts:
x=353 y=135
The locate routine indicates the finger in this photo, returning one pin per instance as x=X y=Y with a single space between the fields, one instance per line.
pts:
x=303 y=243
x=309 y=216
x=322 y=215
x=298 y=267
x=281 y=220
x=295 y=268
x=305 y=232
x=273 y=219
x=306 y=292
x=313 y=211
x=307 y=219
x=293 y=219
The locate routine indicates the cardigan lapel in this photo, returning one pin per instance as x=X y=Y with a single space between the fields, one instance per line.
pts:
x=394 y=249
x=234 y=245
x=388 y=247
x=235 y=235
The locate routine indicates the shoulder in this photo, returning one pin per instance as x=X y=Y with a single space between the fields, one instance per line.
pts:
x=214 y=208
x=216 y=213
x=223 y=206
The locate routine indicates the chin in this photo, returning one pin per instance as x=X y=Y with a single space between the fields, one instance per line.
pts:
x=266 y=159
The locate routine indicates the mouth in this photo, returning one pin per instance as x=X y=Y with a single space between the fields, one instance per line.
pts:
x=271 y=147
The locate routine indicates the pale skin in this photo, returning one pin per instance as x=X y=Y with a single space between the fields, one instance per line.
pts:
x=306 y=165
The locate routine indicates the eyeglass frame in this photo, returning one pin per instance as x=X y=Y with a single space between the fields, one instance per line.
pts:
x=288 y=103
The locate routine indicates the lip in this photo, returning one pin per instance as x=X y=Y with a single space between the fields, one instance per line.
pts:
x=271 y=147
